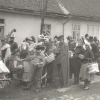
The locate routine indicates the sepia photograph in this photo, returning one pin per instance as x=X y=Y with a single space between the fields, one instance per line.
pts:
x=49 y=49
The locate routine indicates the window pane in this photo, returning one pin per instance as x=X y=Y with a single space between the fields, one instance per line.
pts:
x=47 y=29
x=93 y=30
x=76 y=32
x=1 y=21
x=44 y=27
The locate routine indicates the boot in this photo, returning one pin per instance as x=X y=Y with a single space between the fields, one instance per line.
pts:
x=86 y=85
x=28 y=87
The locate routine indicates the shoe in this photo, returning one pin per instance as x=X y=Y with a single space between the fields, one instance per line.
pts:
x=26 y=88
x=37 y=91
x=43 y=86
x=82 y=86
x=86 y=88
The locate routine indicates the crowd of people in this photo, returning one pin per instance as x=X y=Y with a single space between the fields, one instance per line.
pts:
x=85 y=51
x=34 y=62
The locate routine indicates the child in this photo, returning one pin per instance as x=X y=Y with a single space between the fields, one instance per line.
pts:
x=38 y=61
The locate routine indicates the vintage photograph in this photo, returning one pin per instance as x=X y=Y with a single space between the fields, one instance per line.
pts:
x=49 y=49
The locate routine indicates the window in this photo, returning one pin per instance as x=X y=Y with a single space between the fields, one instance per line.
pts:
x=93 y=30
x=76 y=32
x=1 y=29
x=47 y=29
x=1 y=21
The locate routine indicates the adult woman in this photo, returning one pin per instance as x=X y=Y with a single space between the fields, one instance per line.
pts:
x=27 y=49
x=75 y=61
x=86 y=58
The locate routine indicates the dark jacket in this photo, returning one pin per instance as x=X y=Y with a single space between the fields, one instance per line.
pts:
x=88 y=56
x=14 y=46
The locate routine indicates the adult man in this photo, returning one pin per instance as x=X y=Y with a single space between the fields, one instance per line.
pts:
x=56 y=42
x=71 y=43
x=72 y=46
x=94 y=47
x=14 y=47
x=63 y=62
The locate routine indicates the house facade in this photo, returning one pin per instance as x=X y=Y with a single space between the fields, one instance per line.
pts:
x=24 y=16
x=28 y=25
x=78 y=28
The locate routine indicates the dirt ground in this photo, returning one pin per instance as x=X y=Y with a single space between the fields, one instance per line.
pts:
x=51 y=92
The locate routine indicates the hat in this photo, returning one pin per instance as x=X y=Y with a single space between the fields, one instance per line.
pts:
x=61 y=36
x=86 y=35
x=39 y=47
x=69 y=38
x=56 y=37
x=29 y=38
x=3 y=39
x=12 y=36
x=33 y=39
x=90 y=38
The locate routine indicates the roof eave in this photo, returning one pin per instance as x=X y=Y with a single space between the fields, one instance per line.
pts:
x=91 y=18
x=32 y=12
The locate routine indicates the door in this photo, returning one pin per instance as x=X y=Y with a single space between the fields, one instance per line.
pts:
x=1 y=34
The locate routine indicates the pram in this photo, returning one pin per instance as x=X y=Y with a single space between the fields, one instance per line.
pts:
x=4 y=81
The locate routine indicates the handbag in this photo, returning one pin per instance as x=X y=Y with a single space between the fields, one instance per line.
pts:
x=50 y=58
x=93 y=68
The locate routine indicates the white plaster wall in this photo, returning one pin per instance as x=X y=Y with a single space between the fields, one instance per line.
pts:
x=56 y=26
x=27 y=25
x=83 y=27
x=24 y=24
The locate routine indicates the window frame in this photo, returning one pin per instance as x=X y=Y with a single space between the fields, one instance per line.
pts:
x=73 y=30
x=47 y=29
x=93 y=25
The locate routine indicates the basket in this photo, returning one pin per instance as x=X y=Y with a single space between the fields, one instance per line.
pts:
x=93 y=68
x=50 y=58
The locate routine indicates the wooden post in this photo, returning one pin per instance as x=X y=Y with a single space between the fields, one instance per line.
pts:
x=43 y=14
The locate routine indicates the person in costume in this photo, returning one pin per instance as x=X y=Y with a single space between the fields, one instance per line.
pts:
x=5 y=51
x=62 y=54
x=27 y=49
x=14 y=48
x=36 y=60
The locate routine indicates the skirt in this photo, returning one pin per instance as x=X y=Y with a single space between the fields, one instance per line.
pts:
x=84 y=73
x=28 y=71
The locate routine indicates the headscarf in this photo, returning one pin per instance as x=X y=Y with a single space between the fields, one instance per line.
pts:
x=86 y=43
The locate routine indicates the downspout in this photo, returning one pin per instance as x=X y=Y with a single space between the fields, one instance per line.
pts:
x=69 y=17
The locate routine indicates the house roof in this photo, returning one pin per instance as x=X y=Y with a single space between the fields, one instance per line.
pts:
x=78 y=8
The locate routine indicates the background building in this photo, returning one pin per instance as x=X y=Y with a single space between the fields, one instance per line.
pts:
x=24 y=16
